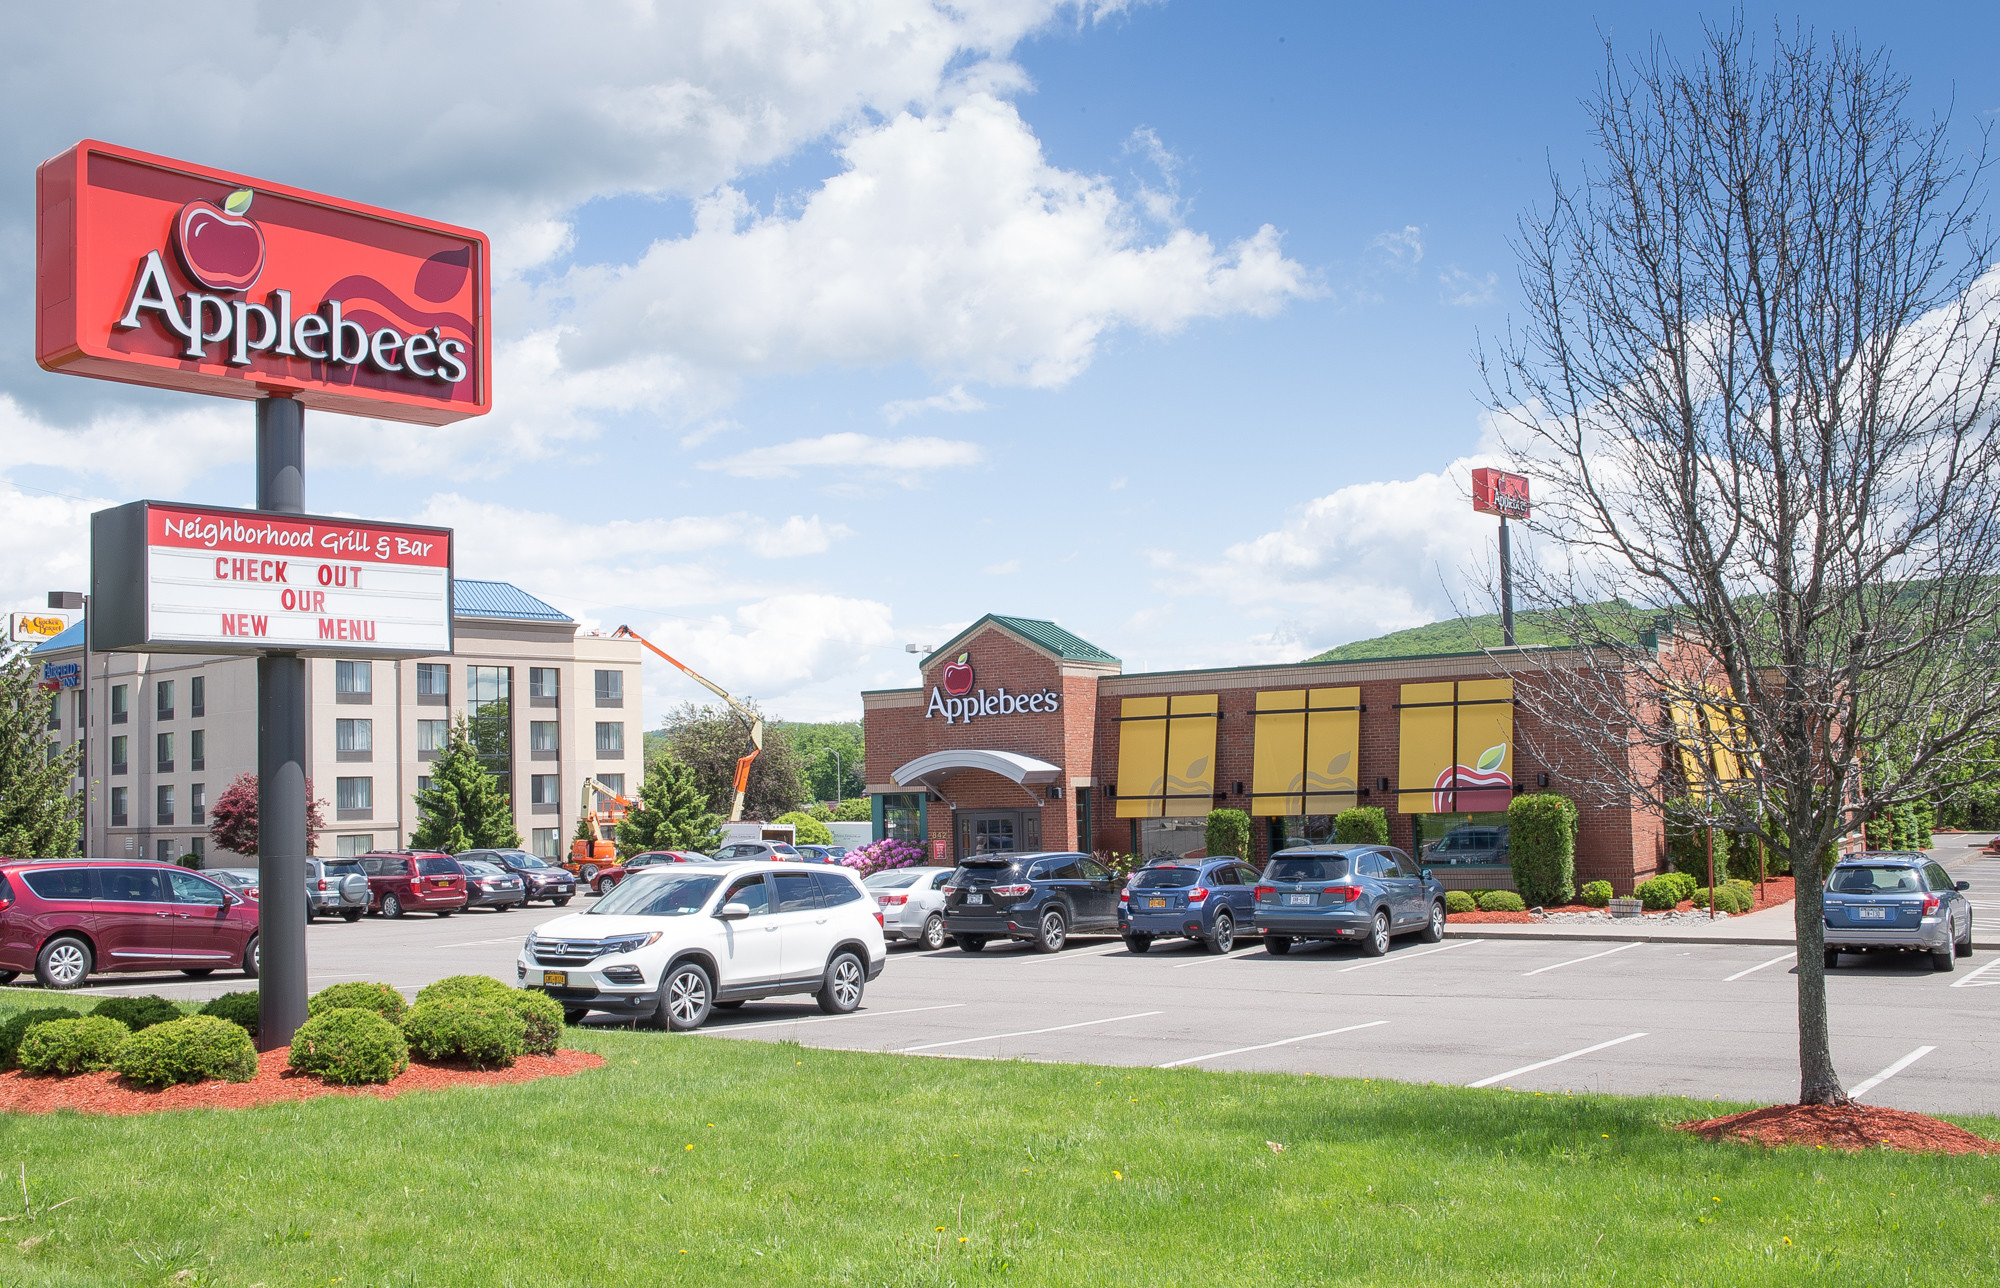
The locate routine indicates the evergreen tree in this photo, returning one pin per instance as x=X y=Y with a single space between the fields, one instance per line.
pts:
x=39 y=819
x=673 y=813
x=464 y=807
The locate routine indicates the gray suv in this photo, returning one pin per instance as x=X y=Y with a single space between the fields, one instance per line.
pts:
x=758 y=852
x=336 y=888
x=1346 y=893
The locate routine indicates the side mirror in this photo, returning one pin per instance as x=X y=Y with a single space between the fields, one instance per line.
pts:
x=733 y=911
x=236 y=899
x=1963 y=885
x=1428 y=876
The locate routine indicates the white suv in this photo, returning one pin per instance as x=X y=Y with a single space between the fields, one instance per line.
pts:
x=677 y=941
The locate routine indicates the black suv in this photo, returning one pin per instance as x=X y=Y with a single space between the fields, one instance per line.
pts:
x=542 y=879
x=1041 y=898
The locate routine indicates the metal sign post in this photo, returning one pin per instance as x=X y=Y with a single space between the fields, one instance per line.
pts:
x=1504 y=494
x=283 y=841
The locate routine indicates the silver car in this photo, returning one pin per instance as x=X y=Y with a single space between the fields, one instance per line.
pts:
x=912 y=904
x=336 y=888
x=758 y=852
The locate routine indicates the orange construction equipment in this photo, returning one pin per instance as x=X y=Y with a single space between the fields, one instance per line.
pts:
x=604 y=821
x=755 y=721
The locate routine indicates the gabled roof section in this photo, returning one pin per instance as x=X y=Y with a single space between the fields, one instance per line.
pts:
x=70 y=638
x=1047 y=636
x=499 y=600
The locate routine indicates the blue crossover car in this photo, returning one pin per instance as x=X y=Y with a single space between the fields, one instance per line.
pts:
x=1361 y=894
x=1205 y=900
x=1899 y=902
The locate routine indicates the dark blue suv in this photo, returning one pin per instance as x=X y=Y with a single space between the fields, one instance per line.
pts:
x=1040 y=898
x=1355 y=893
x=1200 y=899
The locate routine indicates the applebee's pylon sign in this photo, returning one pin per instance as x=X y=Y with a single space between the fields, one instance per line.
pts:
x=963 y=705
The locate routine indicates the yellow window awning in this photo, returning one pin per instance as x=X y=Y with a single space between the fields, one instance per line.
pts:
x=1456 y=747
x=1306 y=745
x=1166 y=756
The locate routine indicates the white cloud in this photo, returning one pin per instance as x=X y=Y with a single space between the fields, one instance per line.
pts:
x=1002 y=569
x=1117 y=484
x=44 y=546
x=901 y=458
x=1467 y=291
x=1401 y=248
x=954 y=399
x=144 y=451
x=808 y=650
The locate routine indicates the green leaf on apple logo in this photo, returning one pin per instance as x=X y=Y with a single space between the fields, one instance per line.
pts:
x=238 y=201
x=1492 y=756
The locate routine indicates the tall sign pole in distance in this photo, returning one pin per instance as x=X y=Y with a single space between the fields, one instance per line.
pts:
x=1504 y=494
x=159 y=272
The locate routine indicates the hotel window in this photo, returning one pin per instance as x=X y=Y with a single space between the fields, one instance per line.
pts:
x=354 y=794
x=433 y=680
x=356 y=736
x=118 y=755
x=118 y=697
x=610 y=688
x=542 y=736
x=163 y=850
x=163 y=814
x=610 y=740
x=197 y=804
x=432 y=736
x=489 y=717
x=349 y=846
x=198 y=849
x=544 y=789
x=77 y=710
x=354 y=679
x=55 y=713
x=545 y=841
x=543 y=681
x=616 y=782
x=423 y=782
x=198 y=696
x=197 y=749
x=163 y=700
x=163 y=745
x=118 y=797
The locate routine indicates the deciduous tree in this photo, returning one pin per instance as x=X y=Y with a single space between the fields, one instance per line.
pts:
x=232 y=820
x=708 y=740
x=673 y=813
x=39 y=819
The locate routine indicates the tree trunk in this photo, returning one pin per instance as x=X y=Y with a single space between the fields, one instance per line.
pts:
x=1819 y=1084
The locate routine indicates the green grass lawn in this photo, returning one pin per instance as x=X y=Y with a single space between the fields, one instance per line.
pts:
x=696 y=1160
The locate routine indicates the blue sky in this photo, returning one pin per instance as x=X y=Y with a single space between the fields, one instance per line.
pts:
x=822 y=332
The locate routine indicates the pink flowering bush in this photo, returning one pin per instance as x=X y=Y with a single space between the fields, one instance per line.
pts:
x=884 y=855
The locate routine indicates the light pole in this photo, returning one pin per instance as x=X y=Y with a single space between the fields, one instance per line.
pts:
x=838 y=778
x=77 y=601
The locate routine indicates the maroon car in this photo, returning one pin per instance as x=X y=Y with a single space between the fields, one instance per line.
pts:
x=65 y=919
x=401 y=881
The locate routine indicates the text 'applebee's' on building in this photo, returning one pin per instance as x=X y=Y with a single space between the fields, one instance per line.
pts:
x=160 y=272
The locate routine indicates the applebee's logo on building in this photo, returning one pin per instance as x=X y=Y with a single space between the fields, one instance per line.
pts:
x=222 y=248
x=963 y=705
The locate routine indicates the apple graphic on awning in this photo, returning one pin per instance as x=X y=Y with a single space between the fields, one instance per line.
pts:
x=958 y=676
x=217 y=245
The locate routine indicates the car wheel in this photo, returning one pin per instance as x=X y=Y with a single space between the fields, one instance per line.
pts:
x=1053 y=932
x=588 y=872
x=309 y=914
x=1832 y=958
x=1964 y=946
x=736 y=1005
x=1138 y=943
x=1222 y=937
x=392 y=907
x=562 y=902
x=686 y=996
x=9 y=976
x=933 y=938
x=1941 y=960
x=351 y=916
x=606 y=886
x=1434 y=928
x=1277 y=945
x=840 y=988
x=971 y=943
x=197 y=972
x=503 y=907
x=442 y=913
x=1377 y=942
x=64 y=962
x=253 y=957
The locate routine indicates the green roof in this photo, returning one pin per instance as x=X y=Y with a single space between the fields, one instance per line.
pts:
x=1048 y=635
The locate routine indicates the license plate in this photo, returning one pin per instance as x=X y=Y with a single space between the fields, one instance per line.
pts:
x=555 y=979
x=1299 y=900
x=975 y=898
x=1871 y=914
x=1156 y=903
x=441 y=882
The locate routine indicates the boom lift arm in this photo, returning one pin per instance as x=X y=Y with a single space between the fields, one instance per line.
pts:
x=755 y=721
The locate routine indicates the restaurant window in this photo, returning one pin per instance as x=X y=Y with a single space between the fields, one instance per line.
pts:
x=543 y=681
x=163 y=812
x=354 y=735
x=197 y=803
x=354 y=679
x=543 y=736
x=118 y=798
x=1166 y=756
x=118 y=700
x=544 y=841
x=1476 y=839
x=354 y=793
x=1083 y=820
x=198 y=696
x=544 y=789
x=163 y=700
x=1171 y=838
x=349 y=846
x=433 y=681
x=610 y=739
x=197 y=749
x=163 y=748
x=1304 y=829
x=118 y=753
x=903 y=817
x=610 y=688
x=490 y=720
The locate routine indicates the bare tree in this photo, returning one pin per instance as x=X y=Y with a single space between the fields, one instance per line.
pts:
x=1756 y=385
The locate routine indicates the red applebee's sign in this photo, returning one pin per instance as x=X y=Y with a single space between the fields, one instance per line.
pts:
x=956 y=701
x=173 y=578
x=158 y=272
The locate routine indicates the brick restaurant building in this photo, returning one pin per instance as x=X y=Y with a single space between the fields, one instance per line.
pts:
x=1022 y=736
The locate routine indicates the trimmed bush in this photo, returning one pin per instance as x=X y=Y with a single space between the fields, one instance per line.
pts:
x=349 y=1045
x=484 y=1034
x=1501 y=901
x=82 y=1045
x=193 y=1049
x=12 y=1029
x=1659 y=894
x=1541 y=847
x=1731 y=899
x=466 y=988
x=1595 y=895
x=543 y=1018
x=1228 y=833
x=379 y=998
x=1460 y=901
x=137 y=1013
x=1684 y=884
x=1362 y=825
x=239 y=1009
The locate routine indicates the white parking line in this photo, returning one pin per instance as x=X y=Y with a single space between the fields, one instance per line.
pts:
x=1218 y=957
x=821 y=1019
x=1403 y=957
x=1760 y=966
x=1543 y=1064
x=1265 y=1046
x=1967 y=980
x=1870 y=1084
x=1027 y=1033
x=1574 y=960
x=481 y=943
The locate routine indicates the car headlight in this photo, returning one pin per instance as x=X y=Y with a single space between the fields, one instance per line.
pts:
x=630 y=943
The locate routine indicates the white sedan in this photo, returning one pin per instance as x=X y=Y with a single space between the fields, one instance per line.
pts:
x=911 y=904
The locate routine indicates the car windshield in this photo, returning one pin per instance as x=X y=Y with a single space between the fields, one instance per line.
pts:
x=1314 y=867
x=1875 y=881
x=1164 y=879
x=786 y=850
x=669 y=894
x=892 y=880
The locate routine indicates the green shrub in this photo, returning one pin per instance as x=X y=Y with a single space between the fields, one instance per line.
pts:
x=1728 y=898
x=1683 y=883
x=1924 y=816
x=379 y=998
x=1541 y=847
x=1362 y=825
x=482 y=1033
x=137 y=1013
x=238 y=1008
x=349 y=1045
x=188 y=1050
x=1228 y=833
x=1460 y=901
x=1687 y=845
x=543 y=1018
x=1595 y=895
x=1660 y=893
x=483 y=988
x=15 y=1026
x=1745 y=850
x=808 y=830
x=1501 y=901
x=82 y=1045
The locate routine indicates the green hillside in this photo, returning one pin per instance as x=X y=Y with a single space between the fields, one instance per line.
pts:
x=1457 y=635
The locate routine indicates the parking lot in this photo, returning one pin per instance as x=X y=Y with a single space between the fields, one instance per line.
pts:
x=1703 y=1020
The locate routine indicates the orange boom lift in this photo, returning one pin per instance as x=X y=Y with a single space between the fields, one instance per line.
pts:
x=755 y=721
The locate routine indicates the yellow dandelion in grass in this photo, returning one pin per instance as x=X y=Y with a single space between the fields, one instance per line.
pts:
x=1606 y=1136
x=961 y=1238
x=690 y=1147
x=1788 y=1241
x=940 y=1229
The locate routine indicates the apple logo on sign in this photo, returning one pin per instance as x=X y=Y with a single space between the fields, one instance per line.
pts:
x=217 y=245
x=958 y=677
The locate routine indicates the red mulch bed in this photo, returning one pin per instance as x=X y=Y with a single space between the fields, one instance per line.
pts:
x=1850 y=1127
x=1776 y=891
x=1488 y=918
x=108 y=1093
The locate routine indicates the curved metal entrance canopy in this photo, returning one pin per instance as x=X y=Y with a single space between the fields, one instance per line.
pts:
x=929 y=771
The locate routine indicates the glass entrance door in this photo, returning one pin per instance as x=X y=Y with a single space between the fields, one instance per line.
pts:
x=998 y=831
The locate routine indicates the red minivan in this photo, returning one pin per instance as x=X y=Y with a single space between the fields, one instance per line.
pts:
x=401 y=881
x=66 y=919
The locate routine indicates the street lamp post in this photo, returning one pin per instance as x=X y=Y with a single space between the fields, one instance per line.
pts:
x=838 y=778
x=80 y=602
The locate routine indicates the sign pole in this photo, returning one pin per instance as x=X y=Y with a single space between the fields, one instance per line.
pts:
x=1506 y=585
x=282 y=838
